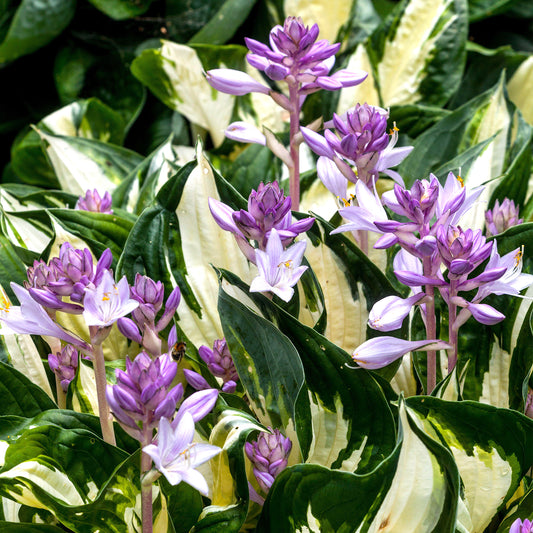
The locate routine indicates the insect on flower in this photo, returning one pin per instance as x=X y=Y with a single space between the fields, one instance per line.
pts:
x=178 y=351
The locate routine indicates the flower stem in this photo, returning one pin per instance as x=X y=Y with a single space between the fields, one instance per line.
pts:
x=61 y=394
x=431 y=329
x=146 y=494
x=106 y=421
x=453 y=328
x=294 y=145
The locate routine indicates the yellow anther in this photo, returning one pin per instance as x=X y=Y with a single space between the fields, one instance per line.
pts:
x=461 y=181
x=394 y=129
x=518 y=257
x=105 y=297
x=286 y=264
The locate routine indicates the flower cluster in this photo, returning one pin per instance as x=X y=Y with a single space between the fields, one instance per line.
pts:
x=501 y=217
x=269 y=455
x=64 y=364
x=295 y=57
x=521 y=526
x=268 y=224
x=66 y=276
x=92 y=201
x=143 y=327
x=436 y=252
x=360 y=149
x=143 y=395
x=220 y=364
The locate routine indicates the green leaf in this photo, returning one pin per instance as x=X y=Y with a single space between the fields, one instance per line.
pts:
x=229 y=505
x=352 y=426
x=10 y=527
x=267 y=363
x=122 y=9
x=176 y=239
x=491 y=447
x=418 y=54
x=480 y=9
x=34 y=25
x=20 y=396
x=82 y=164
x=311 y=497
x=175 y=74
x=224 y=23
x=11 y=267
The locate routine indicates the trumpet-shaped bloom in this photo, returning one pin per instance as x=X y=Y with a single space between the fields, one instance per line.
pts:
x=31 y=318
x=108 y=302
x=230 y=81
x=279 y=270
x=389 y=313
x=382 y=351
x=176 y=456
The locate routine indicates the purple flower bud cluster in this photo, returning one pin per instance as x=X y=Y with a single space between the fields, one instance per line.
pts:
x=143 y=393
x=64 y=364
x=269 y=455
x=68 y=275
x=268 y=208
x=220 y=364
x=501 y=217
x=143 y=327
x=360 y=149
x=521 y=526
x=92 y=201
x=295 y=57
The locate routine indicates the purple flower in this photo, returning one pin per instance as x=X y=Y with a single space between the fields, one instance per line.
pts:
x=176 y=456
x=143 y=394
x=462 y=251
x=108 y=301
x=234 y=82
x=93 y=202
x=361 y=141
x=31 y=318
x=268 y=208
x=77 y=271
x=295 y=56
x=269 y=455
x=501 y=217
x=244 y=133
x=388 y=314
x=279 y=270
x=219 y=360
x=381 y=351
x=64 y=364
x=519 y=526
x=150 y=295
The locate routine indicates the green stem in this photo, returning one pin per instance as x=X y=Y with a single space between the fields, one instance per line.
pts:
x=61 y=394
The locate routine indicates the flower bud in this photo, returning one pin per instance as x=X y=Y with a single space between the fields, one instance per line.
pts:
x=93 y=202
x=269 y=455
x=501 y=217
x=64 y=364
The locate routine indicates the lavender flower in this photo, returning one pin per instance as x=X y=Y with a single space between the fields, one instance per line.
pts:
x=279 y=270
x=64 y=364
x=176 y=455
x=93 y=202
x=381 y=351
x=501 y=217
x=269 y=455
x=77 y=271
x=31 y=318
x=143 y=394
x=108 y=301
x=388 y=314
x=519 y=526
x=220 y=363
x=361 y=141
x=268 y=209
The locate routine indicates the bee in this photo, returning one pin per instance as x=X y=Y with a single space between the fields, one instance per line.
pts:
x=178 y=351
